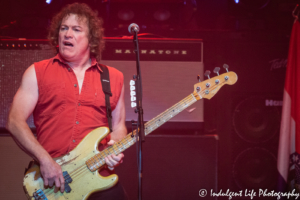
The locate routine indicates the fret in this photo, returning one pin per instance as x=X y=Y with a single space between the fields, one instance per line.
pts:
x=114 y=150
x=100 y=159
x=119 y=148
x=123 y=146
x=194 y=97
x=127 y=145
x=131 y=142
x=111 y=150
x=104 y=152
x=229 y=77
x=150 y=126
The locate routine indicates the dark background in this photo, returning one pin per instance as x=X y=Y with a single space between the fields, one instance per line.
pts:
x=251 y=36
x=165 y=18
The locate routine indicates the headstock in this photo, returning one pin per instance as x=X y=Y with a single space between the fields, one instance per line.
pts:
x=208 y=88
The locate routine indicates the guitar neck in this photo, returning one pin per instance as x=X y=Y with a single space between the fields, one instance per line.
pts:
x=206 y=89
x=130 y=139
x=169 y=114
x=153 y=124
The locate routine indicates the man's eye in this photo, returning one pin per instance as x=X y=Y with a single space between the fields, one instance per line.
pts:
x=63 y=28
x=77 y=30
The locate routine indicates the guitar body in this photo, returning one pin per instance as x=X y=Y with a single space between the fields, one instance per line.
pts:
x=84 y=182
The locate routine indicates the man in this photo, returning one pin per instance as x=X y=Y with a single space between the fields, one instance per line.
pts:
x=65 y=95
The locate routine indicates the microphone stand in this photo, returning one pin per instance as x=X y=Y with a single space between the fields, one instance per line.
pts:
x=139 y=110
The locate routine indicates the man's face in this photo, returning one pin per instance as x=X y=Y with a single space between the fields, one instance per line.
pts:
x=73 y=38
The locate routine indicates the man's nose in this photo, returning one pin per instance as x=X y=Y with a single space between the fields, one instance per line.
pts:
x=69 y=33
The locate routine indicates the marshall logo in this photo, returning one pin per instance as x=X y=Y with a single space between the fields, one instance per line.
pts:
x=270 y=102
x=152 y=52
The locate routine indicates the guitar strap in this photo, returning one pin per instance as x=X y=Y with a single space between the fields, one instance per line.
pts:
x=106 y=89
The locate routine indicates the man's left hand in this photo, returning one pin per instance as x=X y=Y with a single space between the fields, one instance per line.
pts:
x=113 y=160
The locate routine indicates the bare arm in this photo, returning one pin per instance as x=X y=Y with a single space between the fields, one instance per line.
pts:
x=23 y=105
x=119 y=131
x=118 y=119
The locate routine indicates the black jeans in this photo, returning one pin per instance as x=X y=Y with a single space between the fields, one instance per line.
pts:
x=115 y=193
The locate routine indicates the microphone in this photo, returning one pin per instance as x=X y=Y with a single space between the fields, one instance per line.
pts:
x=133 y=28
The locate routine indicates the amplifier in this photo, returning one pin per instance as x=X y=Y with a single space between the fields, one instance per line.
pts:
x=169 y=69
x=174 y=167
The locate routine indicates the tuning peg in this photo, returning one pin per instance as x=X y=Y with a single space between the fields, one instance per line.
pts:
x=198 y=77
x=225 y=66
x=216 y=70
x=207 y=73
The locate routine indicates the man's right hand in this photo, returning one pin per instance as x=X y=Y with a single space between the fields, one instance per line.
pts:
x=52 y=175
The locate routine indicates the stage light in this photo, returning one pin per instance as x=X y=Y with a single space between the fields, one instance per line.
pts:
x=253 y=4
x=48 y=1
x=126 y=14
x=162 y=15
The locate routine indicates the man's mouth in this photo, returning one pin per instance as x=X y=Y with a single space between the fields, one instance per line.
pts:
x=68 y=44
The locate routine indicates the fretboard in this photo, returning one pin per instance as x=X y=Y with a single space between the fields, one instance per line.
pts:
x=98 y=160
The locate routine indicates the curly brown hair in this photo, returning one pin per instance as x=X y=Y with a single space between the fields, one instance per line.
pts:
x=94 y=23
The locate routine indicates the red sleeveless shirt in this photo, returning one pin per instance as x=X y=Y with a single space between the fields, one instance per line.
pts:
x=62 y=116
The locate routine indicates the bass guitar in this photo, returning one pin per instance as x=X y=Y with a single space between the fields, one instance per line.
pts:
x=80 y=166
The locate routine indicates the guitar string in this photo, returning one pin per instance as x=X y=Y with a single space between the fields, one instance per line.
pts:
x=171 y=108
x=163 y=115
x=74 y=176
x=73 y=173
x=99 y=156
x=81 y=169
x=184 y=103
x=177 y=107
x=52 y=189
x=76 y=173
x=84 y=172
x=78 y=176
x=129 y=139
x=192 y=96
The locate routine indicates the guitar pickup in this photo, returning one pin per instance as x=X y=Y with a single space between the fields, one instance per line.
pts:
x=67 y=177
x=67 y=188
x=39 y=194
x=68 y=180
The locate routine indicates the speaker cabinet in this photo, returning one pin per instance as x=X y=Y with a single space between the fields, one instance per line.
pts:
x=251 y=143
x=256 y=123
x=174 y=167
x=247 y=115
